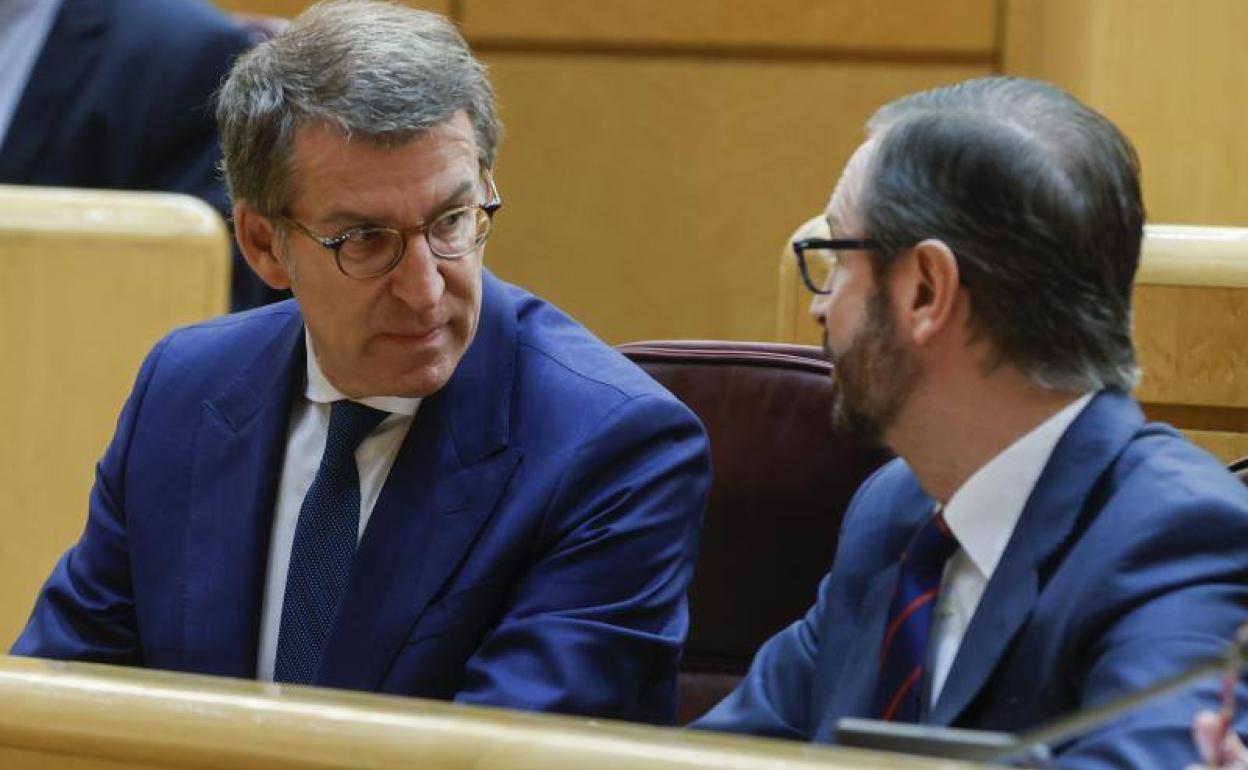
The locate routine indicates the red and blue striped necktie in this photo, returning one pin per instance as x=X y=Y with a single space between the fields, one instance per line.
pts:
x=903 y=653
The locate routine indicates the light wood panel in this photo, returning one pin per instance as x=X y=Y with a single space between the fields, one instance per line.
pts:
x=291 y=8
x=965 y=26
x=646 y=197
x=1190 y=343
x=1171 y=74
x=657 y=150
x=91 y=281
x=80 y=716
x=1191 y=305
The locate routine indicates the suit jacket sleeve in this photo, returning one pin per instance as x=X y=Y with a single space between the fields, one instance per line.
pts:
x=598 y=619
x=85 y=610
x=1179 y=591
x=774 y=697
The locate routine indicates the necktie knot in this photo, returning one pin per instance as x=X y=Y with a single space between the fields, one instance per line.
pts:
x=350 y=422
x=931 y=546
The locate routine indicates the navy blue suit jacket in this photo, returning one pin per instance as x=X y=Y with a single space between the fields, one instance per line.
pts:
x=530 y=548
x=1129 y=563
x=121 y=97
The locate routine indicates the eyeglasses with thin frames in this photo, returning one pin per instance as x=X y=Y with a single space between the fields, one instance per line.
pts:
x=817 y=258
x=369 y=251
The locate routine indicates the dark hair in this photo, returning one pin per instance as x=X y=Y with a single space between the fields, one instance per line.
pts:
x=1039 y=198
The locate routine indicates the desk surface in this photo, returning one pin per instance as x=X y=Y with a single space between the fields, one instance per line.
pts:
x=55 y=715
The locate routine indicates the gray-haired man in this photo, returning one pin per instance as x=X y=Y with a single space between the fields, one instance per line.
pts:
x=413 y=478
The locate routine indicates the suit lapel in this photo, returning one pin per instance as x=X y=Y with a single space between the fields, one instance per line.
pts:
x=445 y=483
x=238 y=459
x=73 y=46
x=854 y=691
x=1082 y=455
x=855 y=652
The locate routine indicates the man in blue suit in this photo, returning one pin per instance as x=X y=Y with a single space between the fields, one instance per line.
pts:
x=1036 y=548
x=413 y=478
x=117 y=94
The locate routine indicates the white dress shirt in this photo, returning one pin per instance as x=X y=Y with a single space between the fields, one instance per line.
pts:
x=982 y=515
x=305 y=443
x=24 y=27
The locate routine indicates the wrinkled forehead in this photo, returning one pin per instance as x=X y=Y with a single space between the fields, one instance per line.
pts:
x=843 y=212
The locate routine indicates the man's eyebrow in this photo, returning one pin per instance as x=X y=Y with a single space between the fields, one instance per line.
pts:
x=352 y=218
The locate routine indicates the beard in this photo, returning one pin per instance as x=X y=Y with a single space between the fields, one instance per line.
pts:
x=873 y=377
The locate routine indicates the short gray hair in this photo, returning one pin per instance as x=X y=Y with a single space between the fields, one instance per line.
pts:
x=368 y=68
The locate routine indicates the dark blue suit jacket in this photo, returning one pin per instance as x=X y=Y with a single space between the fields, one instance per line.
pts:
x=121 y=97
x=1129 y=563
x=530 y=548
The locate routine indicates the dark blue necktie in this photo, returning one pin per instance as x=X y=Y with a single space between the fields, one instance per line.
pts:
x=903 y=652
x=325 y=538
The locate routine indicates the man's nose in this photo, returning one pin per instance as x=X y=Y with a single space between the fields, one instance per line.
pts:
x=417 y=280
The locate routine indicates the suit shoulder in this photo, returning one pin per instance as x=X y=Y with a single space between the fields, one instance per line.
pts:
x=1169 y=472
x=1164 y=501
x=225 y=343
x=570 y=360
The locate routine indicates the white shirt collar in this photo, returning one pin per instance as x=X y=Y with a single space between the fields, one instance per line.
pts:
x=320 y=390
x=983 y=512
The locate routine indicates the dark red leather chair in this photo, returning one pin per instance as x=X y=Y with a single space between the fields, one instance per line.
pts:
x=782 y=480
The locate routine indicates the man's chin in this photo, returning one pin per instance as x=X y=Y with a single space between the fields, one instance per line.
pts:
x=854 y=424
x=422 y=384
x=397 y=381
x=415 y=373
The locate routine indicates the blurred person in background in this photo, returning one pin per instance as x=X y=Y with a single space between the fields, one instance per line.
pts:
x=117 y=94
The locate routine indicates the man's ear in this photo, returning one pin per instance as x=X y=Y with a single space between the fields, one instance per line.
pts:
x=258 y=240
x=928 y=298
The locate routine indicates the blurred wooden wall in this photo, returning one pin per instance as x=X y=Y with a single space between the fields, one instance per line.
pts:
x=1172 y=74
x=659 y=152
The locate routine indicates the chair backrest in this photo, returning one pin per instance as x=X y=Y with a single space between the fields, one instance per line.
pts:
x=782 y=480
x=793 y=323
x=91 y=279
x=1190 y=293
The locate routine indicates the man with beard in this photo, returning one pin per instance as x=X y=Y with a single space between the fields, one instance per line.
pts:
x=1036 y=548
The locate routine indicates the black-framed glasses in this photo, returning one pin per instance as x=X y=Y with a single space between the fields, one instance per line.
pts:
x=817 y=258
x=369 y=251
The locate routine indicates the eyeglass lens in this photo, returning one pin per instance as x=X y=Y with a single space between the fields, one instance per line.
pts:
x=371 y=251
x=819 y=263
